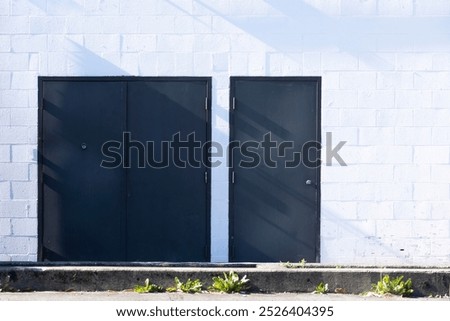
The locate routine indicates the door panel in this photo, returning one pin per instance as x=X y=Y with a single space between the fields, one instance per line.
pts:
x=83 y=203
x=273 y=213
x=167 y=208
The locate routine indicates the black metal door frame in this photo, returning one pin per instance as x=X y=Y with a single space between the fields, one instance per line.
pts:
x=126 y=79
x=232 y=103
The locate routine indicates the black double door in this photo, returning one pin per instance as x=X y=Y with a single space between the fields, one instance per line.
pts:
x=106 y=193
x=274 y=190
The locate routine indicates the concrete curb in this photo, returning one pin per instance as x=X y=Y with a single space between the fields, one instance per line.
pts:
x=264 y=278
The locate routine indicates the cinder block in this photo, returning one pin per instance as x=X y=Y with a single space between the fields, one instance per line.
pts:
x=129 y=62
x=339 y=250
x=13 y=25
x=330 y=191
x=361 y=80
x=440 y=136
x=396 y=8
x=345 y=134
x=440 y=173
x=337 y=211
x=220 y=62
x=166 y=64
x=414 y=61
x=184 y=63
x=13 y=245
x=57 y=8
x=175 y=43
x=5 y=43
x=440 y=210
x=24 y=190
x=330 y=80
x=5 y=117
x=257 y=63
x=412 y=136
x=10 y=208
x=432 y=80
x=239 y=43
x=32 y=135
x=375 y=210
x=431 y=191
x=47 y=25
x=13 y=135
x=102 y=8
x=358 y=7
x=441 y=99
x=357 y=117
x=24 y=153
x=394 y=117
x=24 y=227
x=339 y=61
x=239 y=64
x=412 y=173
x=340 y=98
x=83 y=25
x=24 y=116
x=148 y=64
x=330 y=229
x=441 y=61
x=389 y=42
x=432 y=8
x=376 y=99
x=393 y=154
x=312 y=62
x=413 y=99
x=440 y=247
x=14 y=99
x=395 y=80
x=13 y=172
x=369 y=61
x=29 y=43
x=24 y=80
x=120 y=25
x=359 y=154
x=138 y=43
x=5 y=226
x=330 y=117
x=157 y=25
x=5 y=80
x=102 y=43
x=184 y=24
x=5 y=153
x=139 y=7
x=26 y=8
x=431 y=228
x=394 y=228
x=376 y=135
x=431 y=154
x=13 y=61
x=5 y=191
x=412 y=210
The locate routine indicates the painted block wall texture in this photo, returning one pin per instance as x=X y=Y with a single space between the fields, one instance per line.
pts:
x=385 y=67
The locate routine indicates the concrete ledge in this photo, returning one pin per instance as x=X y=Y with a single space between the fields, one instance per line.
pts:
x=263 y=277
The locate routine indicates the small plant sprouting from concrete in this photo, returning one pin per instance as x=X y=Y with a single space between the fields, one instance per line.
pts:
x=230 y=283
x=321 y=288
x=190 y=286
x=148 y=287
x=395 y=286
x=301 y=264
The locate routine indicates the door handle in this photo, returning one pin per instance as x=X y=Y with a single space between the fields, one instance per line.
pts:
x=310 y=183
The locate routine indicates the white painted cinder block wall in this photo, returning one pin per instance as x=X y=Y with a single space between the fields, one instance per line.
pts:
x=385 y=67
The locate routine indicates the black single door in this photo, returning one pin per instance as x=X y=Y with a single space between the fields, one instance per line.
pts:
x=274 y=200
x=83 y=204
x=167 y=206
